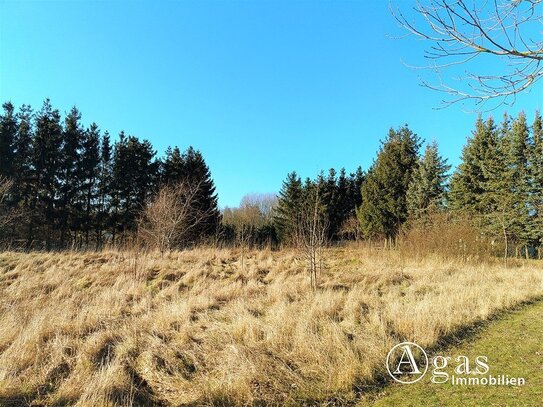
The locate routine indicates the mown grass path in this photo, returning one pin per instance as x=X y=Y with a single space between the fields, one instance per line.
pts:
x=513 y=344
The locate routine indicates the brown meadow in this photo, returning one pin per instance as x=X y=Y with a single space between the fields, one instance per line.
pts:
x=200 y=327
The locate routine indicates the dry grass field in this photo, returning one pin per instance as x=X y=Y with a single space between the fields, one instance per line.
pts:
x=198 y=328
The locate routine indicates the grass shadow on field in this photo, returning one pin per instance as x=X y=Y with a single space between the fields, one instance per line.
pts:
x=141 y=396
x=16 y=400
x=369 y=393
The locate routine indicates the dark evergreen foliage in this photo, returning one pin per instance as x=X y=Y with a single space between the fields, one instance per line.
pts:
x=384 y=194
x=498 y=183
x=339 y=196
x=77 y=190
x=75 y=187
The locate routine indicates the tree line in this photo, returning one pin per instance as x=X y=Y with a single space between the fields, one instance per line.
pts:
x=497 y=188
x=71 y=186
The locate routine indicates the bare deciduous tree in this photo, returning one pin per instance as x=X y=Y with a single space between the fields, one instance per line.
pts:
x=311 y=236
x=172 y=216
x=254 y=212
x=464 y=32
x=265 y=203
x=350 y=229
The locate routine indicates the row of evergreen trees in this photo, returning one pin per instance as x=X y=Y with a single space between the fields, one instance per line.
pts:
x=498 y=187
x=500 y=181
x=338 y=197
x=73 y=187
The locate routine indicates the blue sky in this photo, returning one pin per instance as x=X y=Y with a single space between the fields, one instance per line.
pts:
x=260 y=87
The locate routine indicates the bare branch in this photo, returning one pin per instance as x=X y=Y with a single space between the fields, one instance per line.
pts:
x=311 y=233
x=462 y=32
x=172 y=216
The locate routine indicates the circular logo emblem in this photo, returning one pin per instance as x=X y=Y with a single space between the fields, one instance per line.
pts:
x=407 y=363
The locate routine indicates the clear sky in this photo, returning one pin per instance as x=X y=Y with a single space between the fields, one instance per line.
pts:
x=260 y=87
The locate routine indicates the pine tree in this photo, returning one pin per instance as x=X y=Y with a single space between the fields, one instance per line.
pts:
x=428 y=187
x=384 y=207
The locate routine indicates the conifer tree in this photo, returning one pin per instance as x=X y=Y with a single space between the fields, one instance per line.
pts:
x=288 y=207
x=536 y=170
x=384 y=207
x=105 y=169
x=330 y=195
x=470 y=181
x=428 y=186
x=493 y=184
x=88 y=173
x=24 y=185
x=173 y=166
x=196 y=172
x=46 y=164
x=355 y=189
x=134 y=174
x=72 y=185
x=345 y=205
x=495 y=215
x=8 y=132
x=517 y=161
x=69 y=212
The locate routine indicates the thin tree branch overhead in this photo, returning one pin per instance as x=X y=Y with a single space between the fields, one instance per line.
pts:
x=499 y=42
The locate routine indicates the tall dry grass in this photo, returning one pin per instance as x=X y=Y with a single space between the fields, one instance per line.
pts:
x=195 y=327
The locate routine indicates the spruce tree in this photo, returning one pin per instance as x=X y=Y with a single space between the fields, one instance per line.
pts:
x=355 y=189
x=345 y=206
x=329 y=194
x=495 y=216
x=69 y=209
x=288 y=207
x=134 y=174
x=24 y=187
x=88 y=173
x=384 y=206
x=469 y=183
x=105 y=169
x=428 y=187
x=521 y=186
x=8 y=132
x=47 y=164
x=173 y=166
x=536 y=169
x=197 y=173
